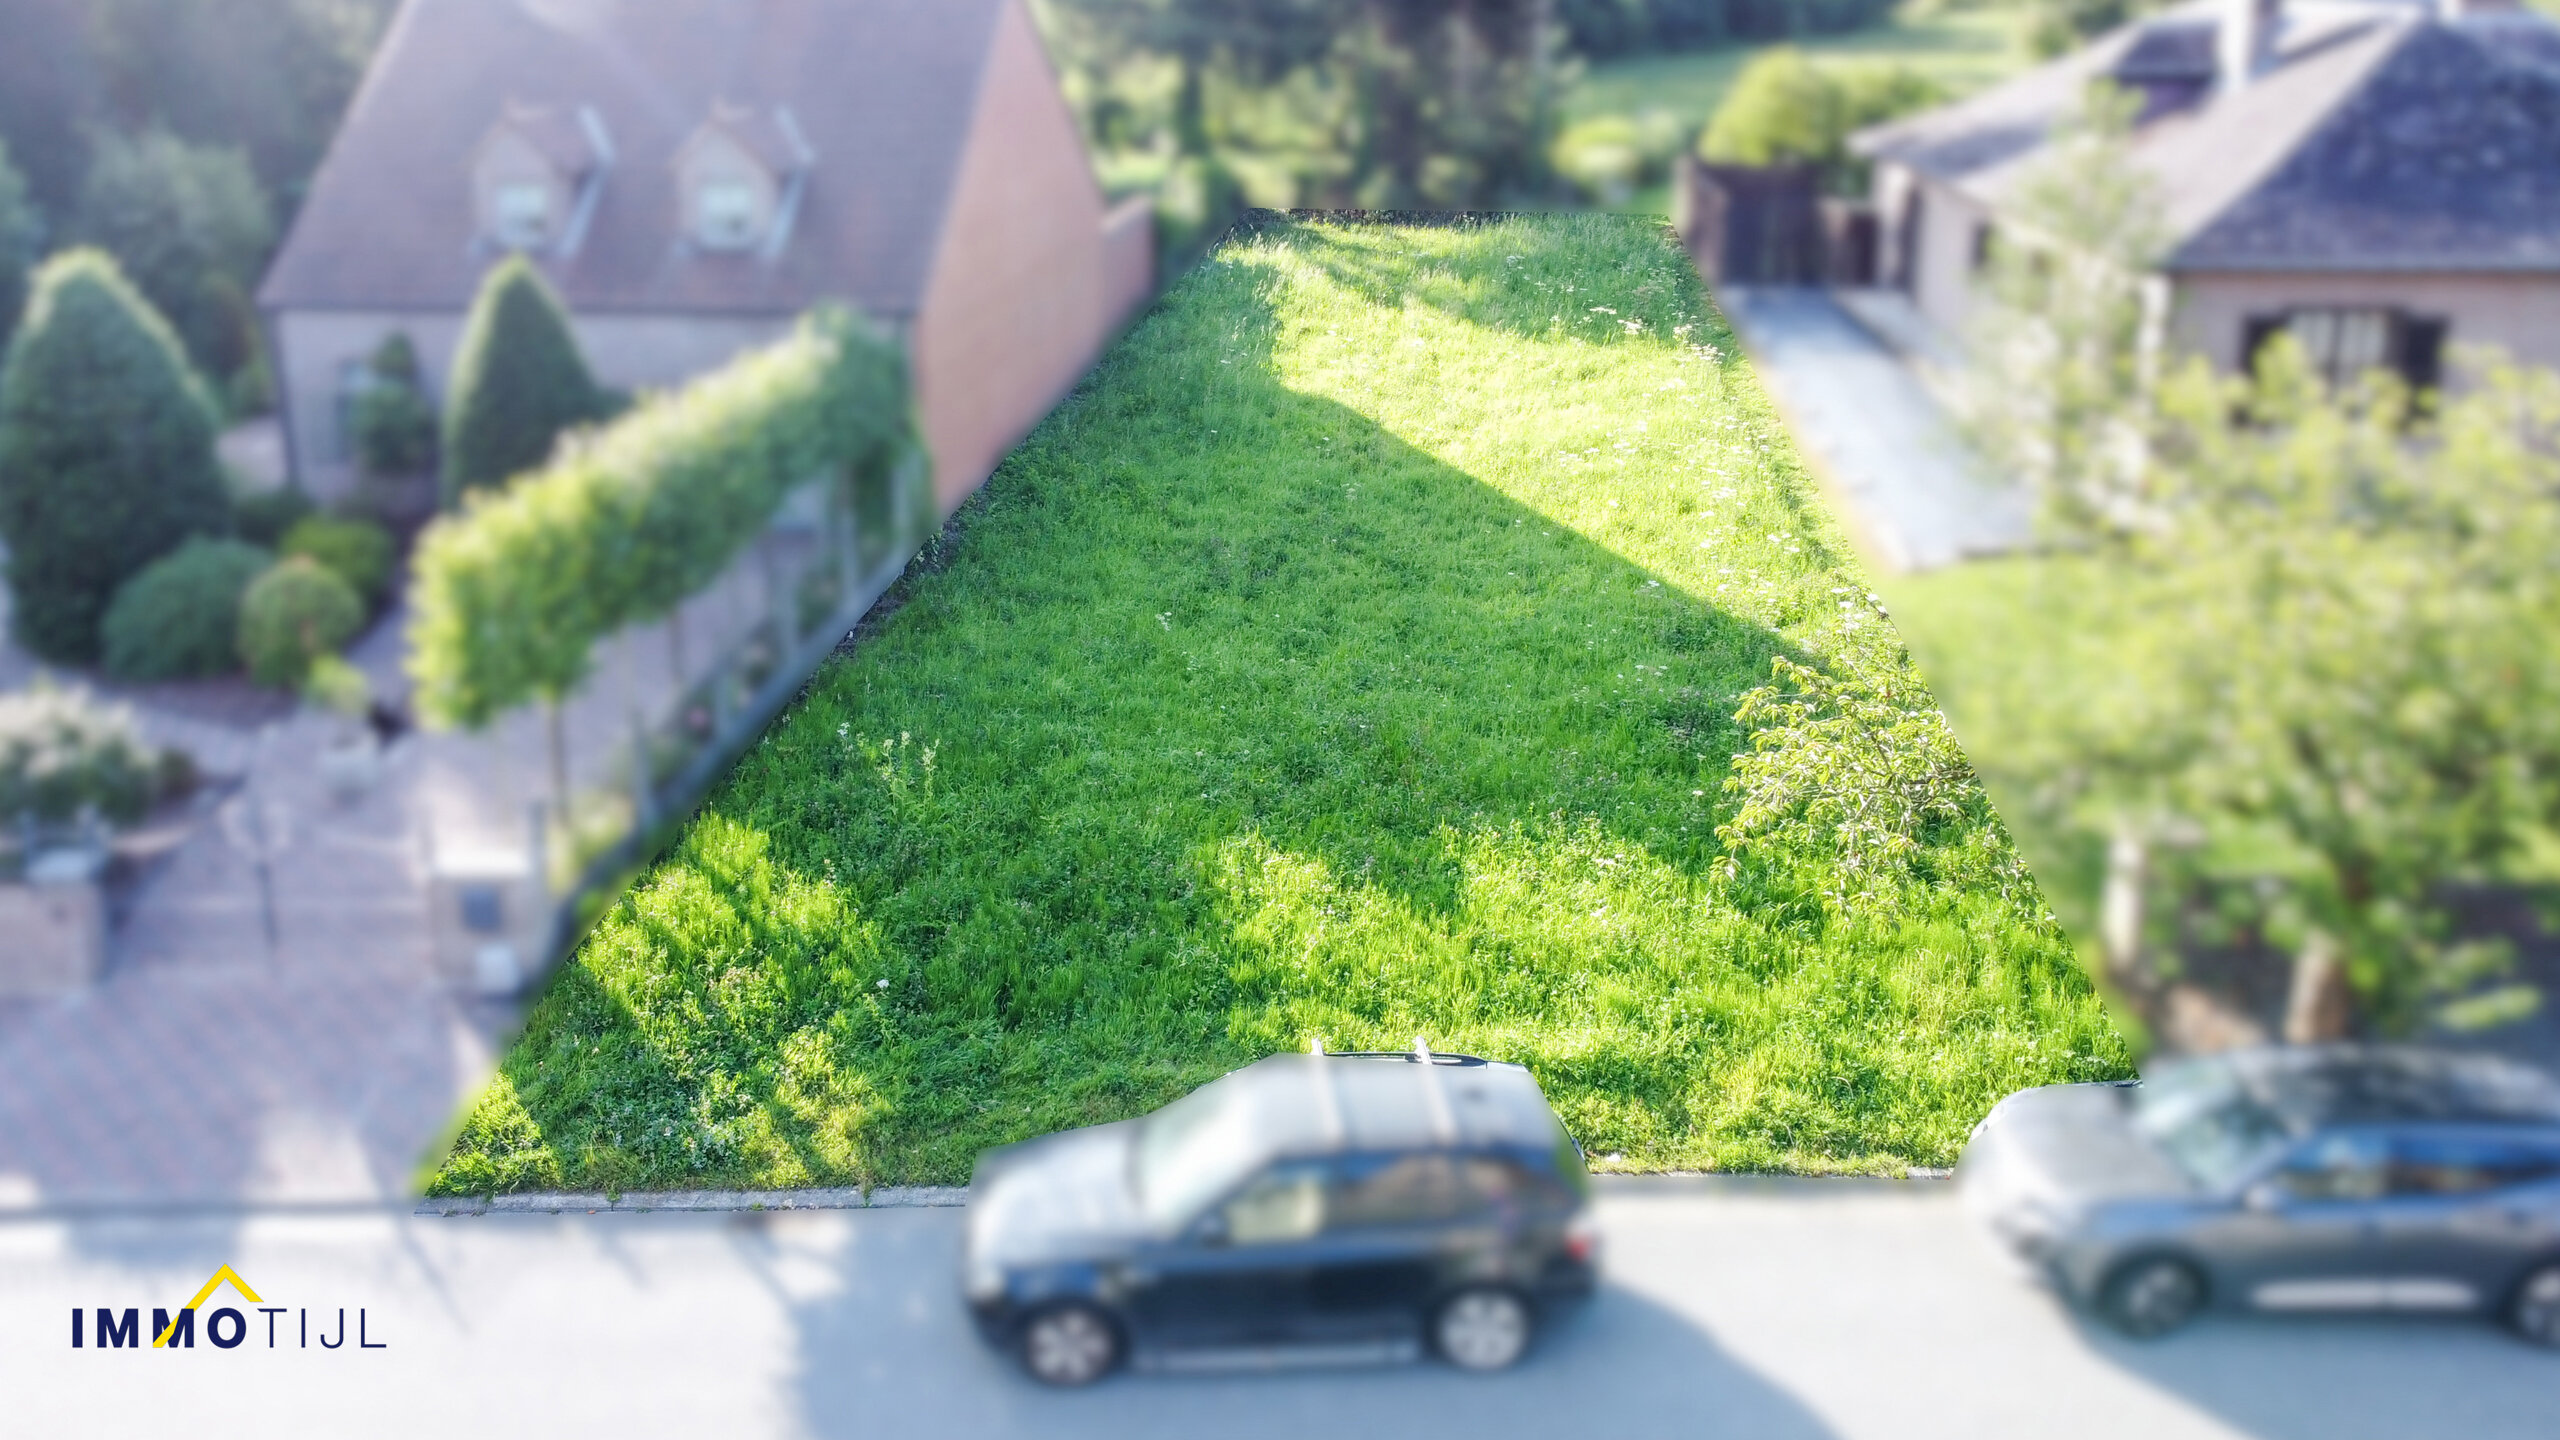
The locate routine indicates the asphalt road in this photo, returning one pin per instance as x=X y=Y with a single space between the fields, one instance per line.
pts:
x=1770 y=1310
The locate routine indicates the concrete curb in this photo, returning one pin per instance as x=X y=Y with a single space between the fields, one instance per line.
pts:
x=910 y=1197
x=645 y=1202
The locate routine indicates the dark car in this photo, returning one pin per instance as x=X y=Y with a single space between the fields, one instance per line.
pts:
x=2319 y=1178
x=1342 y=1207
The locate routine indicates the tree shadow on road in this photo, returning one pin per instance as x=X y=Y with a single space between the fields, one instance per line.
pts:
x=891 y=1351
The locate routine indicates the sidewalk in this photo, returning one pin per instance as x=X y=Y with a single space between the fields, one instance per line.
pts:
x=1882 y=444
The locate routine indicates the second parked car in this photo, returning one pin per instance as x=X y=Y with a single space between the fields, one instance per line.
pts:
x=2323 y=1178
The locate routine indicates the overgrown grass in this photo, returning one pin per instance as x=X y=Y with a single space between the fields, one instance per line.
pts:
x=1353 y=656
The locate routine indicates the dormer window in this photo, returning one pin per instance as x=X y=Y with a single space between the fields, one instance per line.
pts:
x=727 y=213
x=536 y=176
x=739 y=179
x=520 y=214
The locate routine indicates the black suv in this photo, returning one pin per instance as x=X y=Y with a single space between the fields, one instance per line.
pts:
x=1327 y=1207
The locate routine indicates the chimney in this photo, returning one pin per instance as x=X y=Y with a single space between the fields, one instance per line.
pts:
x=2247 y=37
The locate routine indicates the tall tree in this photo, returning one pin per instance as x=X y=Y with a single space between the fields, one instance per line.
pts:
x=190 y=225
x=518 y=381
x=106 y=451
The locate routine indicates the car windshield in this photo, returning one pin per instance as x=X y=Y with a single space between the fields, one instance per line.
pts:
x=1191 y=1152
x=2205 y=1120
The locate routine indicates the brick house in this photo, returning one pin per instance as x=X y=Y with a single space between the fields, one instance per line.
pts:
x=2381 y=178
x=693 y=174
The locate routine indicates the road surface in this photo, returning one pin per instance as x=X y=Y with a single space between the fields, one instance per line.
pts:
x=1768 y=1310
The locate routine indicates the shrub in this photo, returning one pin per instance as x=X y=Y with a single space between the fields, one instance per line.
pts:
x=293 y=614
x=359 y=552
x=61 y=751
x=262 y=517
x=395 y=427
x=518 y=381
x=190 y=224
x=181 y=615
x=106 y=451
x=1786 y=110
x=512 y=592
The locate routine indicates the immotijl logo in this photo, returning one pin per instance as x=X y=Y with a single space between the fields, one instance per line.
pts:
x=226 y=1328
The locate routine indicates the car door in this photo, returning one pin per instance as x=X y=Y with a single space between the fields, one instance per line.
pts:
x=1237 y=1276
x=1391 y=1226
x=2468 y=1208
x=2303 y=1237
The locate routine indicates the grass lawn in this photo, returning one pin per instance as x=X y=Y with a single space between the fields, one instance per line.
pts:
x=1354 y=655
x=1963 y=50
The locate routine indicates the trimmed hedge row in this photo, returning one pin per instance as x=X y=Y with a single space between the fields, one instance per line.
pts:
x=512 y=593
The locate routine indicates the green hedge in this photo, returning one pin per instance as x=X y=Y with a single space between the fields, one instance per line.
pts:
x=511 y=593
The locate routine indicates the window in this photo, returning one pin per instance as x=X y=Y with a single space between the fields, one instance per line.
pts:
x=2335 y=1167
x=724 y=214
x=1283 y=1205
x=520 y=213
x=2468 y=1164
x=2342 y=344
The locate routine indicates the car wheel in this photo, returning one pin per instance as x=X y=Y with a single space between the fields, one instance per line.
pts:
x=1481 y=1329
x=2535 y=1312
x=2151 y=1297
x=1069 y=1345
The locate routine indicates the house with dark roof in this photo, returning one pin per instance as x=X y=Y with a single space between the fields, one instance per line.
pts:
x=691 y=175
x=2380 y=178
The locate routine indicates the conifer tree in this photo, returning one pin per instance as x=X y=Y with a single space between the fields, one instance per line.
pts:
x=106 y=451
x=518 y=381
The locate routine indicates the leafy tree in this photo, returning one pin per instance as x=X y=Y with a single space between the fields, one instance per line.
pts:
x=518 y=382
x=190 y=225
x=21 y=240
x=181 y=615
x=270 y=76
x=1786 y=110
x=48 y=95
x=106 y=451
x=2291 y=674
x=2064 y=341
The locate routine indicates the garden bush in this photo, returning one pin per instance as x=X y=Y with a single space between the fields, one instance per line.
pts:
x=181 y=616
x=395 y=426
x=262 y=517
x=62 y=752
x=360 y=552
x=106 y=451
x=518 y=381
x=513 y=592
x=295 y=613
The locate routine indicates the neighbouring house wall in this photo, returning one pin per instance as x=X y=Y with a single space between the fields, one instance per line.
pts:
x=1942 y=279
x=1128 y=257
x=2519 y=313
x=1021 y=297
x=628 y=352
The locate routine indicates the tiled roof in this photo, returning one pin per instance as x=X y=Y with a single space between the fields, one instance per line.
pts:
x=2376 y=137
x=2448 y=156
x=881 y=91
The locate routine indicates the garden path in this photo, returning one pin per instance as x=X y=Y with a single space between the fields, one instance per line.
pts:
x=1916 y=498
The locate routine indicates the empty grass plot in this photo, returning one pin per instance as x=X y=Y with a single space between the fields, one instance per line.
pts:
x=1356 y=655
